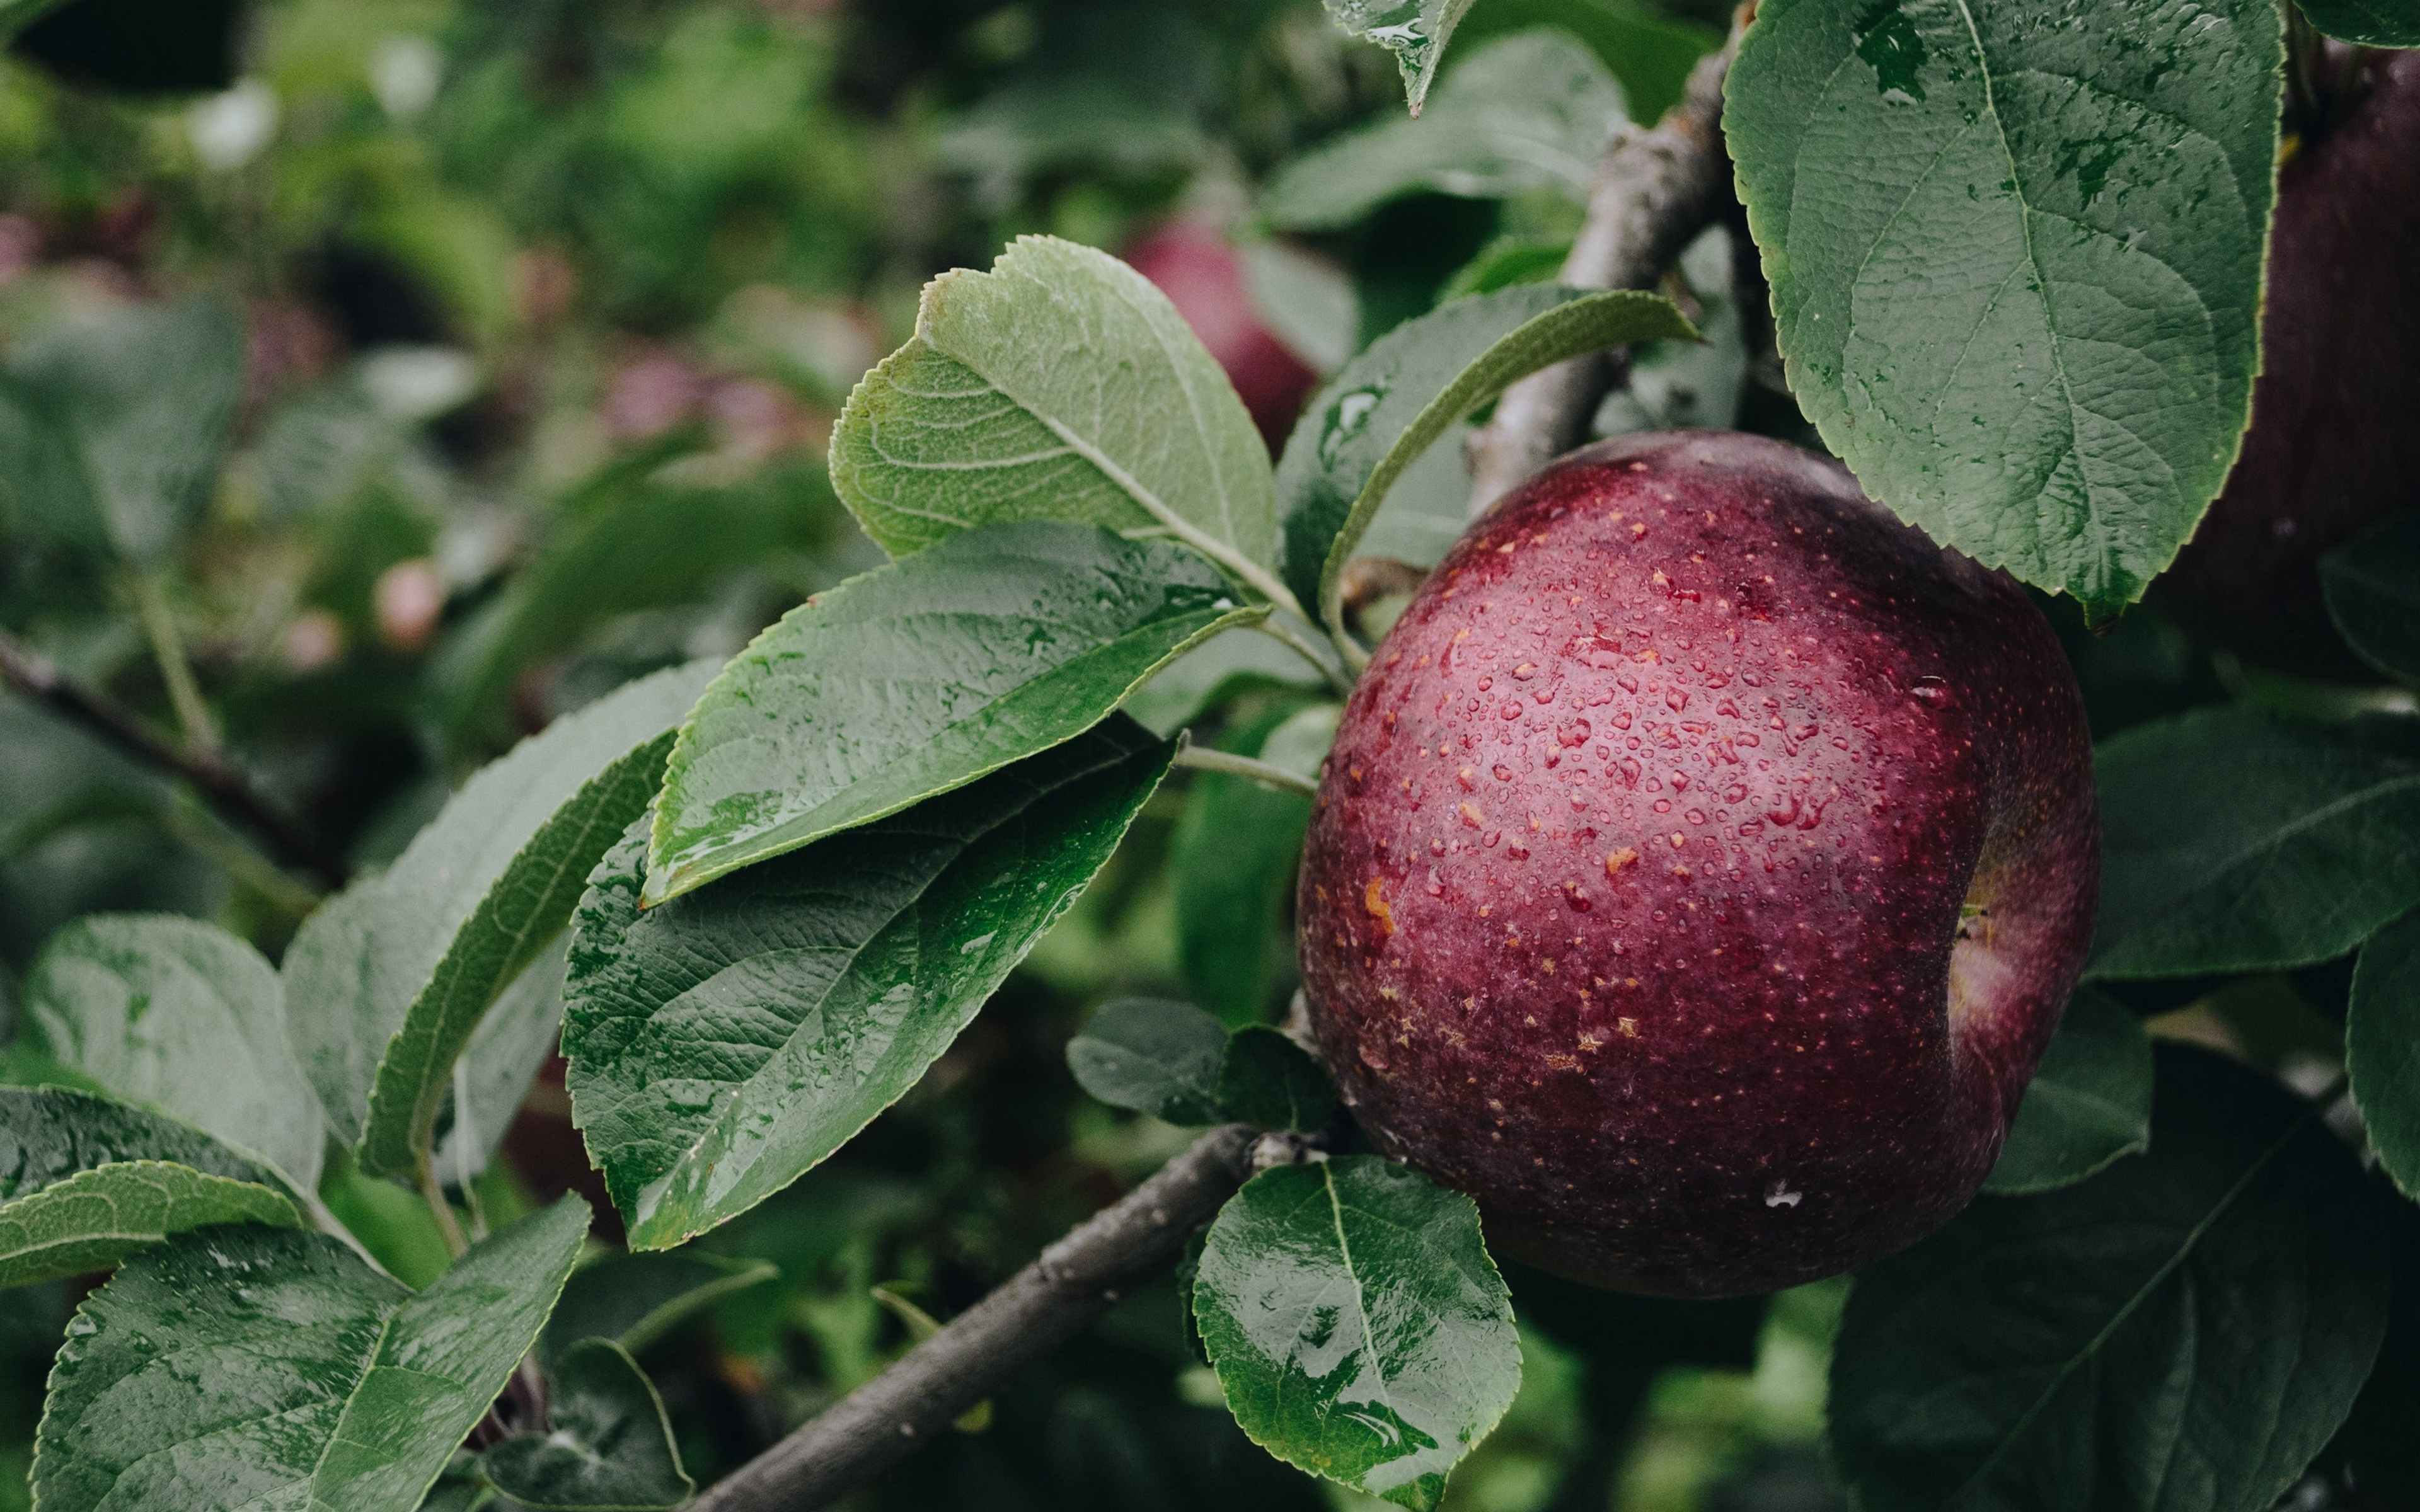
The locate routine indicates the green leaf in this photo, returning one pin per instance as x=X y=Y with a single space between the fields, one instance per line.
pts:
x=919 y=677
x=259 y=1367
x=1358 y=1325
x=1221 y=669
x=2088 y=1105
x=1153 y=1055
x=2180 y=1333
x=724 y=1043
x=85 y=1181
x=503 y=1059
x=2373 y=22
x=2234 y=841
x=184 y=1017
x=2383 y=1048
x=1527 y=111
x=1060 y=385
x=1415 y=31
x=1232 y=864
x=16 y=15
x=607 y=1447
x=2373 y=592
x=112 y=424
x=1390 y=403
x=1268 y=1080
x=637 y=1298
x=1507 y=262
x=400 y=969
x=2016 y=257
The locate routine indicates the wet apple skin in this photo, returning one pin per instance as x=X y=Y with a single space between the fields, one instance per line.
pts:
x=1630 y=901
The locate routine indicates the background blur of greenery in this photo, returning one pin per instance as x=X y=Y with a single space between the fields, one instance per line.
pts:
x=550 y=306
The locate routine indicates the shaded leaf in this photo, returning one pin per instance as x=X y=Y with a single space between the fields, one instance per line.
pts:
x=85 y=1181
x=1358 y=1325
x=2373 y=592
x=637 y=1298
x=2375 y=23
x=1153 y=1055
x=185 y=1017
x=506 y=1053
x=2235 y=842
x=397 y=970
x=2181 y=1333
x=607 y=1448
x=1223 y=668
x=1415 y=31
x=1390 y=403
x=919 y=677
x=2383 y=1048
x=1232 y=864
x=2016 y=261
x=1531 y=111
x=724 y=1043
x=258 y=1366
x=1002 y=408
x=1266 y=1079
x=112 y=424
x=2088 y=1105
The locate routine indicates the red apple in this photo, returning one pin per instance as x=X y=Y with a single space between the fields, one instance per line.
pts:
x=1701 y=866
x=1199 y=271
x=2334 y=443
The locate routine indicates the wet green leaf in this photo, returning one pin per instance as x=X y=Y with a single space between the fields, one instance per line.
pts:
x=2373 y=592
x=724 y=1043
x=184 y=1017
x=112 y=424
x=2373 y=22
x=637 y=1298
x=606 y=1448
x=2089 y=1104
x=258 y=1367
x=1000 y=409
x=2235 y=842
x=1415 y=31
x=1531 y=110
x=2180 y=1333
x=399 y=970
x=2016 y=253
x=1265 y=1078
x=1390 y=404
x=919 y=677
x=1358 y=1325
x=2383 y=1047
x=1153 y=1055
x=85 y=1181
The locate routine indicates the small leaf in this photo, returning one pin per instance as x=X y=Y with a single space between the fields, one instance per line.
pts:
x=1000 y=409
x=607 y=1448
x=2383 y=1048
x=922 y=1325
x=400 y=969
x=1527 y=111
x=919 y=677
x=724 y=1043
x=2088 y=1105
x=1391 y=402
x=85 y=1181
x=186 y=1018
x=1151 y=1055
x=1267 y=1079
x=113 y=425
x=637 y=1298
x=2183 y=1331
x=2373 y=592
x=506 y=1053
x=1219 y=669
x=2016 y=261
x=1358 y=1325
x=1232 y=864
x=2373 y=23
x=259 y=1366
x=1507 y=262
x=2235 y=842
x=1415 y=31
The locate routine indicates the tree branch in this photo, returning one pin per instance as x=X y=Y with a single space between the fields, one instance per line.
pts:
x=1655 y=191
x=220 y=785
x=1041 y=1307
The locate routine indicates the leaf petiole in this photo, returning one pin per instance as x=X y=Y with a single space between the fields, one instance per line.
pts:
x=1209 y=758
